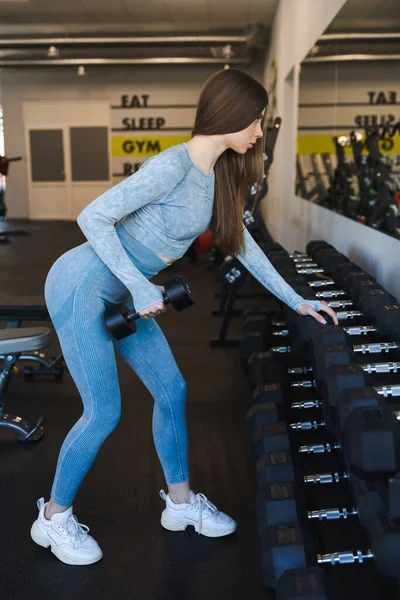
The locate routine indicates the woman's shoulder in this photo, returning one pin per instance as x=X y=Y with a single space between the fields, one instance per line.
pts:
x=169 y=161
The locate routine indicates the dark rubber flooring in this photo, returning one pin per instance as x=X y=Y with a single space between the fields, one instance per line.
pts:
x=119 y=498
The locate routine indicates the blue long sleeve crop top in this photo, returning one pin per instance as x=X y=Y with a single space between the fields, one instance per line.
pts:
x=165 y=206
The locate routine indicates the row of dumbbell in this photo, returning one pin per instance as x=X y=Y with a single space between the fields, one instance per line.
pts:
x=280 y=504
x=270 y=500
x=361 y=456
x=350 y=277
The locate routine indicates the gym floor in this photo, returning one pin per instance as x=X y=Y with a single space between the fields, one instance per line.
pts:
x=119 y=498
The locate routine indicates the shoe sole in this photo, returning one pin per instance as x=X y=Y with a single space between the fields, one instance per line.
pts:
x=43 y=541
x=173 y=524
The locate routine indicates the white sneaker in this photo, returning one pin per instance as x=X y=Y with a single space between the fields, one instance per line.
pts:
x=69 y=539
x=200 y=513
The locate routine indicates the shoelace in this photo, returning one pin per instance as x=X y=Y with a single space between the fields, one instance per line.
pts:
x=77 y=530
x=201 y=502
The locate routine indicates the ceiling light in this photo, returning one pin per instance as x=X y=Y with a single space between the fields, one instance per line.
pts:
x=227 y=52
x=53 y=52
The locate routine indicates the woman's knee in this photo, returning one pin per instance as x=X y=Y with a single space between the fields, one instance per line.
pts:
x=179 y=388
x=103 y=422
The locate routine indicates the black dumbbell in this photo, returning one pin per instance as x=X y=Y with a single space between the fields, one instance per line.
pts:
x=387 y=322
x=350 y=276
x=292 y=546
x=284 y=502
x=280 y=504
x=373 y=347
x=339 y=378
x=121 y=321
x=315 y=245
x=365 y=421
x=274 y=410
x=378 y=512
x=269 y=433
x=308 y=583
x=341 y=354
x=283 y=547
x=259 y=331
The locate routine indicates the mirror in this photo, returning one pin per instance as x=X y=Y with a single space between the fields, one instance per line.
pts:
x=348 y=142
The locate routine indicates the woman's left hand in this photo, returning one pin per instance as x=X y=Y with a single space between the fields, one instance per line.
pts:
x=306 y=310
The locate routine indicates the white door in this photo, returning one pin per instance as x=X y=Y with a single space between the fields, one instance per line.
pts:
x=69 y=155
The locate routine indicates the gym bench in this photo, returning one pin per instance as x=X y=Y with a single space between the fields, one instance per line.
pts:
x=12 y=344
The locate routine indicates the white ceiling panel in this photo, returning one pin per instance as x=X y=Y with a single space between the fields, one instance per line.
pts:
x=150 y=10
x=229 y=10
x=183 y=11
x=261 y=11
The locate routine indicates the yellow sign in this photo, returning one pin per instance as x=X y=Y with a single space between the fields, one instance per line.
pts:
x=141 y=145
x=319 y=144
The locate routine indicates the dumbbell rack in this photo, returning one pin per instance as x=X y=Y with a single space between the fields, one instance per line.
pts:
x=233 y=277
x=329 y=496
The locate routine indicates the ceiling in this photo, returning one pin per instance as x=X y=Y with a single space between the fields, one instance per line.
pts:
x=73 y=17
x=363 y=17
x=367 y=15
x=65 y=24
x=248 y=21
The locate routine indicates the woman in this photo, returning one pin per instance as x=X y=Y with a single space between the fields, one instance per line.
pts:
x=135 y=230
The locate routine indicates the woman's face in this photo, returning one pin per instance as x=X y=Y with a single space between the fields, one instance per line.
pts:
x=242 y=141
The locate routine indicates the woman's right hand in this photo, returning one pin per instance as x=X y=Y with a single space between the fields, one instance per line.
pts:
x=153 y=311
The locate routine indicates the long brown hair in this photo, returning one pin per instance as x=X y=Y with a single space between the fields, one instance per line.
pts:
x=230 y=101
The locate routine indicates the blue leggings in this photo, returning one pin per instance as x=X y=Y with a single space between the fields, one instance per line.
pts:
x=78 y=289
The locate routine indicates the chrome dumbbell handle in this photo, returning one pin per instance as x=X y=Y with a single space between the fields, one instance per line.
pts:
x=307 y=425
x=331 y=514
x=299 y=370
x=344 y=558
x=340 y=303
x=309 y=271
x=388 y=390
x=383 y=390
x=321 y=283
x=306 y=404
x=302 y=384
x=281 y=333
x=325 y=477
x=375 y=347
x=308 y=264
x=281 y=349
x=300 y=257
x=319 y=448
x=389 y=367
x=330 y=294
x=344 y=315
x=360 y=330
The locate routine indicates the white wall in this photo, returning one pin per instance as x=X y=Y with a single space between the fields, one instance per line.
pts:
x=297 y=26
x=291 y=220
x=166 y=85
